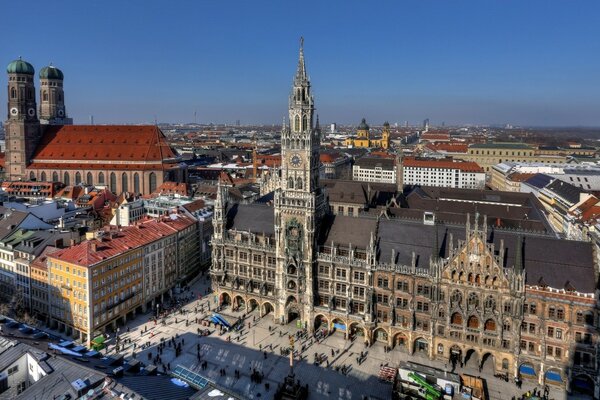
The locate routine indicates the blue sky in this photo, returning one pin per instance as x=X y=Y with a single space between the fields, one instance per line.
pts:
x=520 y=62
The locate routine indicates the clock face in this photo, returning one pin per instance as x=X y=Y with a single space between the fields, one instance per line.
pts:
x=61 y=113
x=31 y=112
x=296 y=160
x=14 y=111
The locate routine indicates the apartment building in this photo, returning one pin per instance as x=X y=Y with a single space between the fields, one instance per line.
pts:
x=443 y=173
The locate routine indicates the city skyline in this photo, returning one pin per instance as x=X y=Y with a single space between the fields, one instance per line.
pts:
x=493 y=63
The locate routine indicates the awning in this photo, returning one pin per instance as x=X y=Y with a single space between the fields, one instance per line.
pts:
x=98 y=339
x=527 y=370
x=553 y=376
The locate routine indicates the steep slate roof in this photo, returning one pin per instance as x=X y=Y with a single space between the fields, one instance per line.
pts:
x=539 y=180
x=372 y=162
x=256 y=218
x=547 y=261
x=132 y=143
x=565 y=190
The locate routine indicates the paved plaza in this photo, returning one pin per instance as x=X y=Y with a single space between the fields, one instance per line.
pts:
x=257 y=349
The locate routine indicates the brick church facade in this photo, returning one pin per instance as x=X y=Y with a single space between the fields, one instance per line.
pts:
x=43 y=145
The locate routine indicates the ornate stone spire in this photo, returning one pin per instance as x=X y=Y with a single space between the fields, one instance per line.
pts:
x=301 y=71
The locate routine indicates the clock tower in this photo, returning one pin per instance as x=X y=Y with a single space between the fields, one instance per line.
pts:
x=299 y=203
x=22 y=127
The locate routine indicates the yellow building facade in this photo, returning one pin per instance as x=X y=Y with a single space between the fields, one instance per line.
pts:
x=94 y=286
x=363 y=137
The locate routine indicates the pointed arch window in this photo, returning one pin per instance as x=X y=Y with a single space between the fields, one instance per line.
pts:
x=13 y=93
x=290 y=183
x=124 y=183
x=113 y=182
x=473 y=301
x=136 y=182
x=78 y=178
x=43 y=177
x=90 y=179
x=54 y=177
x=66 y=179
x=297 y=123
x=101 y=178
x=45 y=95
x=152 y=179
x=304 y=123
x=299 y=183
x=32 y=176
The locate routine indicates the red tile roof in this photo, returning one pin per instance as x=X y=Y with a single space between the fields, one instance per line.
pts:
x=435 y=136
x=449 y=147
x=130 y=143
x=443 y=164
x=520 y=177
x=114 y=243
x=172 y=188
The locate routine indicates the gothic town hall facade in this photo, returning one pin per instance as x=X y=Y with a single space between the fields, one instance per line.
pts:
x=514 y=302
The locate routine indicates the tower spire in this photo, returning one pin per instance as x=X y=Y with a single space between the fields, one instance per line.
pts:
x=301 y=72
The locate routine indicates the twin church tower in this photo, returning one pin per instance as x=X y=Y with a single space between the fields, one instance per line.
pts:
x=24 y=122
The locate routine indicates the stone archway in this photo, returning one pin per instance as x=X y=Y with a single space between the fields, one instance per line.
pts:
x=267 y=308
x=356 y=330
x=421 y=346
x=252 y=305
x=527 y=370
x=238 y=303
x=224 y=299
x=338 y=326
x=292 y=310
x=488 y=364
x=471 y=359
x=321 y=322
x=400 y=342
x=380 y=335
x=553 y=376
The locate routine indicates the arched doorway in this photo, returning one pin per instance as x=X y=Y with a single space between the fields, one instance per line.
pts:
x=553 y=376
x=338 y=326
x=527 y=370
x=293 y=313
x=292 y=309
x=239 y=303
x=380 y=335
x=455 y=356
x=471 y=359
x=252 y=305
x=356 y=331
x=224 y=300
x=321 y=322
x=583 y=384
x=267 y=308
x=488 y=364
x=400 y=342
x=421 y=346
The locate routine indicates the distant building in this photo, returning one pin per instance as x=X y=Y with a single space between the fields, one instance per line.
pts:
x=489 y=154
x=584 y=176
x=335 y=165
x=443 y=173
x=374 y=169
x=363 y=137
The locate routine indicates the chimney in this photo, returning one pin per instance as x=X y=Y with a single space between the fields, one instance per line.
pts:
x=58 y=243
x=72 y=242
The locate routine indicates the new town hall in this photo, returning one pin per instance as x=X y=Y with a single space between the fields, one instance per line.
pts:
x=512 y=301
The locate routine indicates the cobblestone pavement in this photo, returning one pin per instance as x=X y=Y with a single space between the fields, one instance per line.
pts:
x=245 y=352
